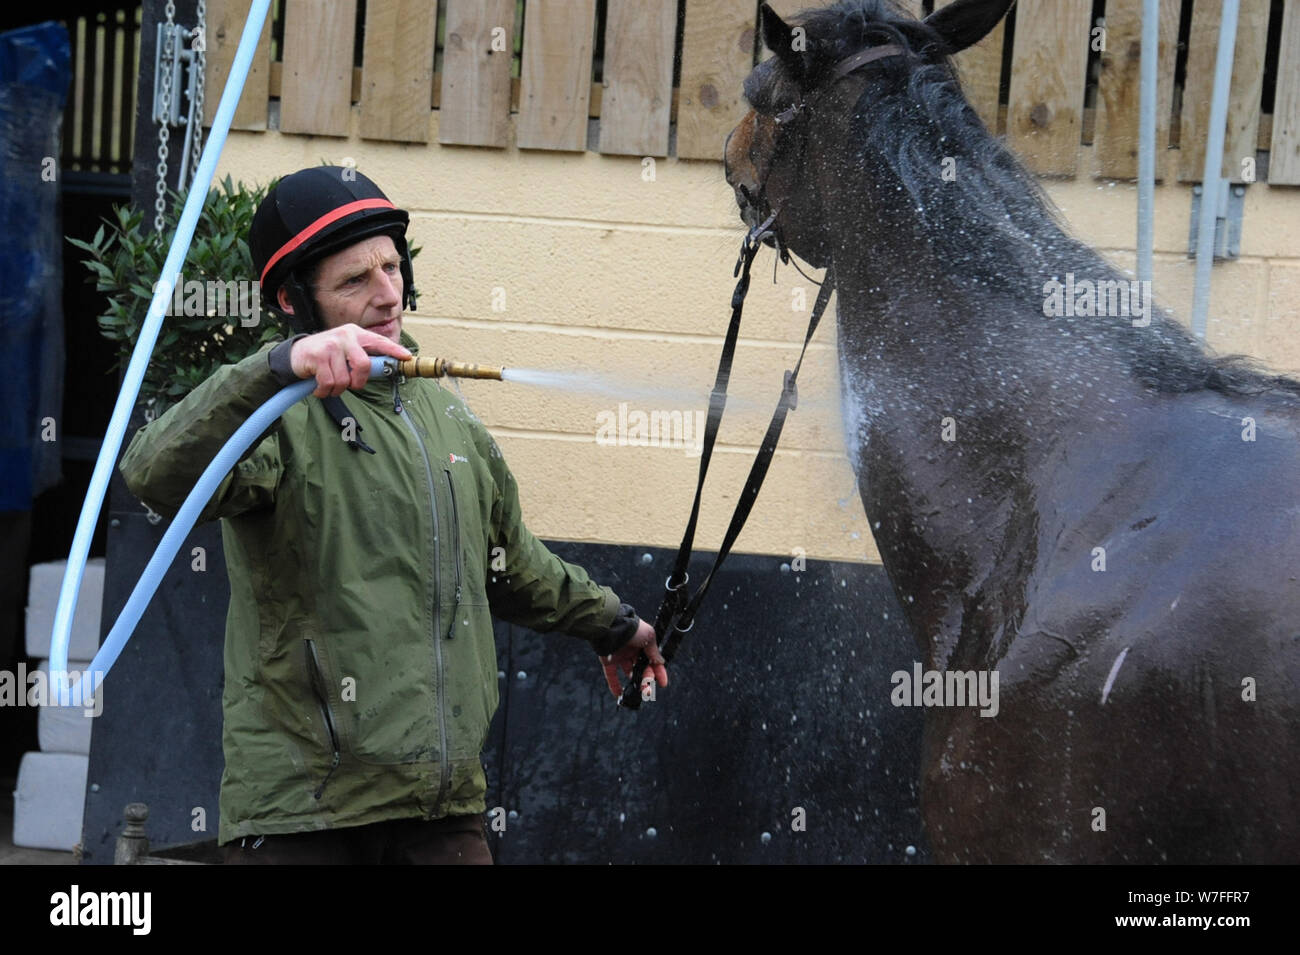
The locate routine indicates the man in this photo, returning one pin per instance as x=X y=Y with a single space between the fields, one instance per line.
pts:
x=367 y=542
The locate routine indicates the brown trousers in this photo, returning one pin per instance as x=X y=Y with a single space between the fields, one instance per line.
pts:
x=455 y=840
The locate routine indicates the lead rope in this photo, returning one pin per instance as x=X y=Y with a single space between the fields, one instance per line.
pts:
x=677 y=612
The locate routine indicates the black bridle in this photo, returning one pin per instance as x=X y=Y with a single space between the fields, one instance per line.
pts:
x=677 y=612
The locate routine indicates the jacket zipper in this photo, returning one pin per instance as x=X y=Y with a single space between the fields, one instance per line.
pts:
x=455 y=540
x=444 y=781
x=322 y=696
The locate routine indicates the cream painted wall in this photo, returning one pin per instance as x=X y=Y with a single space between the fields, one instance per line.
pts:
x=626 y=283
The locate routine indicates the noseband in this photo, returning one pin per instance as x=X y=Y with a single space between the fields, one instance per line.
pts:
x=785 y=119
x=677 y=611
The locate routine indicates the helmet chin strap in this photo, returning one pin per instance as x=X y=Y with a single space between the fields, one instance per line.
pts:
x=303 y=317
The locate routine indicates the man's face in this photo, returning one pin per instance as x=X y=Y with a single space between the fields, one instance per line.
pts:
x=361 y=285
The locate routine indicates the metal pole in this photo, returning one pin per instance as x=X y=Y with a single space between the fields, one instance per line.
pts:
x=1212 y=180
x=1147 y=139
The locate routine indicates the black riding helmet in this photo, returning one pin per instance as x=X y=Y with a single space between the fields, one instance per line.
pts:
x=311 y=214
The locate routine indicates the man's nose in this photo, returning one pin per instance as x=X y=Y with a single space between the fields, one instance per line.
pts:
x=389 y=291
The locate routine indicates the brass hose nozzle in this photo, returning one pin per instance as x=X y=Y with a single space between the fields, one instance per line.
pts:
x=439 y=367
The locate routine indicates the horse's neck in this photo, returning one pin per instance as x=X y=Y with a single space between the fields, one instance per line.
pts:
x=949 y=418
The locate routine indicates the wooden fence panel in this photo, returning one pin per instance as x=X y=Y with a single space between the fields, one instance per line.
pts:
x=980 y=67
x=717 y=55
x=225 y=26
x=1243 y=95
x=397 y=69
x=474 y=108
x=1284 y=153
x=1049 y=64
x=316 y=84
x=555 y=75
x=1119 y=88
x=638 y=81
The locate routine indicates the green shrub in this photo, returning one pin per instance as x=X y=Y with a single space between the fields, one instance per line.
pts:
x=125 y=264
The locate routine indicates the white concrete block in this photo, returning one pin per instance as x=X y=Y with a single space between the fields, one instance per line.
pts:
x=49 y=800
x=65 y=729
x=43 y=599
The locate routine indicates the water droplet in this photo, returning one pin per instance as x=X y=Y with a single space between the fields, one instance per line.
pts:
x=622 y=817
x=501 y=674
x=513 y=814
x=521 y=675
x=910 y=850
x=652 y=832
x=647 y=558
x=785 y=568
x=766 y=838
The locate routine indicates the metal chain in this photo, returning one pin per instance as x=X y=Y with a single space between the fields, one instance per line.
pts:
x=198 y=65
x=165 y=111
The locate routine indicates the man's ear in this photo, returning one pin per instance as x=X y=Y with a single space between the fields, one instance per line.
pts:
x=282 y=298
x=964 y=23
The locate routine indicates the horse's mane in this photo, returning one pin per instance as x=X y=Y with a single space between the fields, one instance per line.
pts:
x=992 y=224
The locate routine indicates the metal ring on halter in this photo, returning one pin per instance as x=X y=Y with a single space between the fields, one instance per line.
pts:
x=688 y=626
x=686 y=581
x=761 y=230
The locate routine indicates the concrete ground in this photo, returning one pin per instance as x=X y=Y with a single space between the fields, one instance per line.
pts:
x=16 y=855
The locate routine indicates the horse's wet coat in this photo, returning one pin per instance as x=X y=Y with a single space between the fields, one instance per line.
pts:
x=1096 y=510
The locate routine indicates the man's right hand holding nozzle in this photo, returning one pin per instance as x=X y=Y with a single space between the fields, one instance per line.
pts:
x=339 y=358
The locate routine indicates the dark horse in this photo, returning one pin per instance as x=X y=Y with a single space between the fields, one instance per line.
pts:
x=1090 y=506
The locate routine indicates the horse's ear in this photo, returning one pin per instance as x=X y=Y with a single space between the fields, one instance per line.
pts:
x=965 y=22
x=780 y=38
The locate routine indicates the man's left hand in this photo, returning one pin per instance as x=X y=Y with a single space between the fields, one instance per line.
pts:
x=625 y=659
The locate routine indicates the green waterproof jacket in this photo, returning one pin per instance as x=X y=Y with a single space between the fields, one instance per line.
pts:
x=360 y=666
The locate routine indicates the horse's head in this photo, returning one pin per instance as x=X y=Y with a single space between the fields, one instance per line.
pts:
x=787 y=155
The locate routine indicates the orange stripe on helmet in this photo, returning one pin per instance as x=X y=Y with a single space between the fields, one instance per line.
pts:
x=322 y=222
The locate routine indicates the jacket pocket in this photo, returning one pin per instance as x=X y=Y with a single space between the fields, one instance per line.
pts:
x=320 y=689
x=457 y=544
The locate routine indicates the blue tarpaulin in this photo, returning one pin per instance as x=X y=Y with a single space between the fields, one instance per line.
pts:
x=34 y=77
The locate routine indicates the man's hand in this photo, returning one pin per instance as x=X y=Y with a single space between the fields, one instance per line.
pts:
x=339 y=358
x=625 y=659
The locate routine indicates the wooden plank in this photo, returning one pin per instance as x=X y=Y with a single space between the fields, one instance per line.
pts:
x=555 y=75
x=1243 y=94
x=475 y=102
x=397 y=69
x=717 y=55
x=638 y=77
x=593 y=107
x=226 y=20
x=1284 y=157
x=1119 y=88
x=1048 y=67
x=980 y=67
x=316 y=94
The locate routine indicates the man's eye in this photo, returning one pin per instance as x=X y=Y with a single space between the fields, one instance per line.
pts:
x=390 y=267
